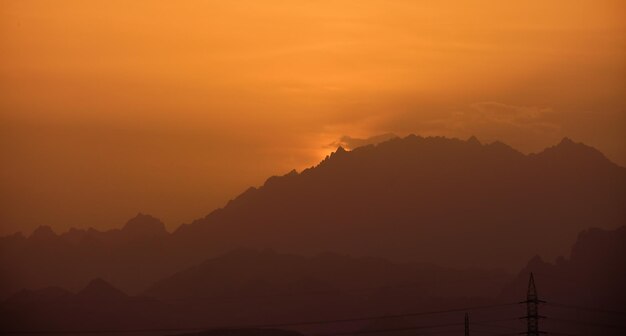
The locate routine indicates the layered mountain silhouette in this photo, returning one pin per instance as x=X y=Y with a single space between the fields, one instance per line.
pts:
x=594 y=274
x=97 y=306
x=444 y=201
x=244 y=274
x=129 y=255
x=250 y=288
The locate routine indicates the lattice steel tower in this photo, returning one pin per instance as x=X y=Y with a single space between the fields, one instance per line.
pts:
x=532 y=309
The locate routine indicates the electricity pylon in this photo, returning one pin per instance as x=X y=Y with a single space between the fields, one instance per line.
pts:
x=532 y=309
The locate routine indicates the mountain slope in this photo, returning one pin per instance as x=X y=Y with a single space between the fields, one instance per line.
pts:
x=426 y=199
x=444 y=201
x=259 y=274
x=593 y=274
x=584 y=293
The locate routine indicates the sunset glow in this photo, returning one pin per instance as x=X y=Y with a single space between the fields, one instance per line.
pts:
x=174 y=107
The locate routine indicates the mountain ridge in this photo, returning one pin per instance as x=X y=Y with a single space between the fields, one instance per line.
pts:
x=248 y=287
x=536 y=165
x=566 y=142
x=406 y=199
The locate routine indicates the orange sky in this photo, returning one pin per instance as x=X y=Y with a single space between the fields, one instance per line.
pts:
x=109 y=108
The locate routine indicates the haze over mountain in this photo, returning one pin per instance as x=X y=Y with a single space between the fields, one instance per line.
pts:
x=312 y=168
x=412 y=199
x=248 y=287
x=426 y=199
x=593 y=275
x=252 y=273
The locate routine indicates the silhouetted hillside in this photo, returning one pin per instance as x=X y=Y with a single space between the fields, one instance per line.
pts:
x=248 y=273
x=593 y=275
x=98 y=306
x=247 y=288
x=233 y=290
x=130 y=256
x=444 y=201
x=585 y=292
x=426 y=199
x=100 y=290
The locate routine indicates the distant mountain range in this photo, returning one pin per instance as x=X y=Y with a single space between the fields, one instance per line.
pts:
x=435 y=200
x=593 y=275
x=250 y=287
x=245 y=274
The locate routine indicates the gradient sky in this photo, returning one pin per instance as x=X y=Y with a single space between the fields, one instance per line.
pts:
x=109 y=108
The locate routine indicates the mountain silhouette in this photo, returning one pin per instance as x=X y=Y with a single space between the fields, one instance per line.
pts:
x=252 y=287
x=593 y=274
x=100 y=290
x=435 y=200
x=42 y=234
x=98 y=306
x=426 y=199
x=144 y=226
x=252 y=273
x=353 y=143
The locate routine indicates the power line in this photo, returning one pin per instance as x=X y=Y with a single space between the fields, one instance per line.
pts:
x=376 y=331
x=592 y=324
x=494 y=333
x=532 y=298
x=483 y=324
x=592 y=309
x=275 y=325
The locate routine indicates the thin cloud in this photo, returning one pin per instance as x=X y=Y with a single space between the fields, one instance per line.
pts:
x=349 y=142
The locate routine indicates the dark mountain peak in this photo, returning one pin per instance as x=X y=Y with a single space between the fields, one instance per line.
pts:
x=100 y=290
x=566 y=142
x=569 y=152
x=144 y=225
x=412 y=137
x=473 y=140
x=354 y=143
x=504 y=151
x=97 y=284
x=338 y=153
x=92 y=231
x=279 y=180
x=43 y=232
x=340 y=150
x=569 y=144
